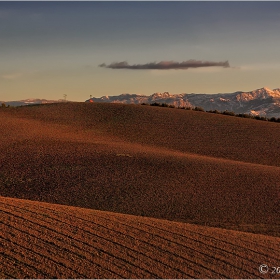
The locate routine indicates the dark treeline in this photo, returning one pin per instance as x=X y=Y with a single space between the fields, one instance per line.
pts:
x=3 y=105
x=228 y=113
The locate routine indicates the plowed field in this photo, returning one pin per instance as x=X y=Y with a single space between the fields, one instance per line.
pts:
x=40 y=240
x=165 y=163
x=126 y=191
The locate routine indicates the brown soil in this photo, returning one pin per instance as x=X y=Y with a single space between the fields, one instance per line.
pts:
x=41 y=240
x=164 y=163
x=181 y=167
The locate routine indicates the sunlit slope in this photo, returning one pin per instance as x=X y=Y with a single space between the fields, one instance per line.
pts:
x=187 y=131
x=40 y=240
x=93 y=156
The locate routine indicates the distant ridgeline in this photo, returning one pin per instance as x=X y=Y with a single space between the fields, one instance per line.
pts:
x=263 y=103
x=29 y=102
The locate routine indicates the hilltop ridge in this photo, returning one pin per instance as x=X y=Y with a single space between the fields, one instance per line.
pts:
x=262 y=102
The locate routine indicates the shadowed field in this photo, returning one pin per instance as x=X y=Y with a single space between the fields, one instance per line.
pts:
x=208 y=186
x=158 y=162
x=41 y=240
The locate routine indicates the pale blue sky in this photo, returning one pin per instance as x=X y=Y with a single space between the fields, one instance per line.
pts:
x=53 y=48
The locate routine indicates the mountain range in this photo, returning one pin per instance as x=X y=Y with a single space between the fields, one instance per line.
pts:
x=262 y=102
x=30 y=102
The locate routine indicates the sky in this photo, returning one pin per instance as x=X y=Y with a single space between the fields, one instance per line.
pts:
x=49 y=49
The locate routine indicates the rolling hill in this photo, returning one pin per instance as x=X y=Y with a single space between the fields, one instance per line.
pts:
x=162 y=182
x=41 y=240
x=159 y=162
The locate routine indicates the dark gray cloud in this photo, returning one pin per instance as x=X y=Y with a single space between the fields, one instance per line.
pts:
x=166 y=65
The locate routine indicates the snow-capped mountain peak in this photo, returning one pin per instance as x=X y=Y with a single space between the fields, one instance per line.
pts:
x=262 y=101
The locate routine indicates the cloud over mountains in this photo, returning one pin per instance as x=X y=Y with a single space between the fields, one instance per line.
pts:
x=165 y=65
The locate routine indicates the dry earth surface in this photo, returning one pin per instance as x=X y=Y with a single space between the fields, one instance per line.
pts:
x=218 y=172
x=41 y=240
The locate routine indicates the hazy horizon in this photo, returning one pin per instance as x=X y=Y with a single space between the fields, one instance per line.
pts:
x=108 y=48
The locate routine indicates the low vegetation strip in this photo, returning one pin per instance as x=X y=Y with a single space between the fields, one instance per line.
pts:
x=42 y=240
x=226 y=112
